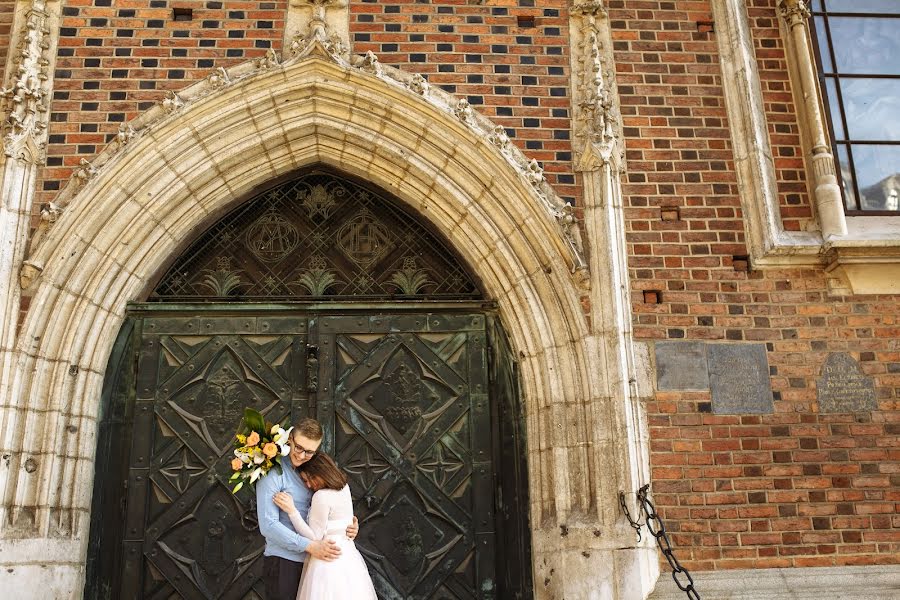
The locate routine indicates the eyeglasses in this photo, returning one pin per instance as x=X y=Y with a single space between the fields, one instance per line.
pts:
x=301 y=450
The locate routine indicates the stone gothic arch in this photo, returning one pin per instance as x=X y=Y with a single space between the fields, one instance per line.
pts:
x=178 y=167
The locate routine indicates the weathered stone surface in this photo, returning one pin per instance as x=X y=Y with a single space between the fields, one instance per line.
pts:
x=739 y=379
x=843 y=387
x=681 y=366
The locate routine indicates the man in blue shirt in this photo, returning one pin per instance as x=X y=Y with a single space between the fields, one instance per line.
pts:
x=285 y=548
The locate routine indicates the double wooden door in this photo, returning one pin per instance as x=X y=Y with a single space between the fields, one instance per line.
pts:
x=404 y=400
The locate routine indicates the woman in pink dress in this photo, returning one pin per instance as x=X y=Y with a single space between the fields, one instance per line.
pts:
x=347 y=577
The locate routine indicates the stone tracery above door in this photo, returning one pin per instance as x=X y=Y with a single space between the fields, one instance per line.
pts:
x=317 y=236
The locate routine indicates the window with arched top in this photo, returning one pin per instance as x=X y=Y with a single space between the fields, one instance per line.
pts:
x=317 y=237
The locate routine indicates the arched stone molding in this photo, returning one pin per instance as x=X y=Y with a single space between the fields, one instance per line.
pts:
x=174 y=170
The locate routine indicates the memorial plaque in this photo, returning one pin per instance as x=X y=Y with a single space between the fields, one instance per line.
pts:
x=739 y=379
x=843 y=387
x=681 y=366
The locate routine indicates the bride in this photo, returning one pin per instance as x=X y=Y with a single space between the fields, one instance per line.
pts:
x=345 y=578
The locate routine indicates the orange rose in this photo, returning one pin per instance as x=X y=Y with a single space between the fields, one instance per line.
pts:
x=236 y=464
x=270 y=449
x=253 y=439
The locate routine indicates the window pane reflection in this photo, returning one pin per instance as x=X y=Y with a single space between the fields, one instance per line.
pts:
x=846 y=176
x=878 y=176
x=866 y=46
x=858 y=47
x=860 y=6
x=834 y=106
x=872 y=107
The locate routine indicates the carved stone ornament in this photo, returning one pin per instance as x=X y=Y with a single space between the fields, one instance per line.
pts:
x=84 y=173
x=50 y=213
x=319 y=39
x=595 y=115
x=24 y=103
x=794 y=11
x=29 y=274
x=125 y=134
x=419 y=84
x=369 y=63
x=269 y=61
x=500 y=138
x=534 y=174
x=218 y=78
x=589 y=7
x=463 y=111
x=172 y=102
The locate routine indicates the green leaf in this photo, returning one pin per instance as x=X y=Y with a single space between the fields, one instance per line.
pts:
x=254 y=420
x=237 y=488
x=235 y=475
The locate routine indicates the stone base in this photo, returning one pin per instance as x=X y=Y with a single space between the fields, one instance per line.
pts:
x=814 y=583
x=55 y=577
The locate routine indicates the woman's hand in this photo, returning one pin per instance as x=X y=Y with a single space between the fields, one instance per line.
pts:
x=353 y=529
x=284 y=501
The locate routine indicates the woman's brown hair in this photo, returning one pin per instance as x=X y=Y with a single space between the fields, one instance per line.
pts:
x=323 y=466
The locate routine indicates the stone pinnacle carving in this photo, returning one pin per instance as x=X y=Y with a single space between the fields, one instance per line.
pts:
x=24 y=103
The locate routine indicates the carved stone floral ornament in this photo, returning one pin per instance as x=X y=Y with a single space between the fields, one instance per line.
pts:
x=23 y=105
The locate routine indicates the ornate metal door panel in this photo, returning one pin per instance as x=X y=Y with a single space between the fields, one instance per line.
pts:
x=408 y=399
x=186 y=535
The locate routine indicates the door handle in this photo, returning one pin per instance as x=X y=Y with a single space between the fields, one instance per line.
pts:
x=312 y=368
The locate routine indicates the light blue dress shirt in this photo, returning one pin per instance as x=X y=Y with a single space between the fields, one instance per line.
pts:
x=274 y=524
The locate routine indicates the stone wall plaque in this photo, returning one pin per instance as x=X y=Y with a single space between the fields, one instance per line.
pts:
x=739 y=379
x=681 y=366
x=843 y=387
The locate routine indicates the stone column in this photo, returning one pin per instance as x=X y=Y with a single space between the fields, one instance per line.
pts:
x=24 y=109
x=596 y=555
x=827 y=192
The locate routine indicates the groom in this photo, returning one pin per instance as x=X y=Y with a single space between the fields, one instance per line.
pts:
x=286 y=549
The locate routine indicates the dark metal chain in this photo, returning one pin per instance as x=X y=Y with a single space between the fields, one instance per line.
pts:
x=636 y=525
x=657 y=529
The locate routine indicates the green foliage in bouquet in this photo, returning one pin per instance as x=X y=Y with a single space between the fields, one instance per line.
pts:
x=258 y=448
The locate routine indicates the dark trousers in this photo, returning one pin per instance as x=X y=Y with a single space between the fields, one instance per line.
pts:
x=282 y=577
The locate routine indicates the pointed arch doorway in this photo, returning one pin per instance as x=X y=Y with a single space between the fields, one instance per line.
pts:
x=321 y=297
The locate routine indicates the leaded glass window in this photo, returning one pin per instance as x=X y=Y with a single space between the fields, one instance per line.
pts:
x=858 y=44
x=317 y=237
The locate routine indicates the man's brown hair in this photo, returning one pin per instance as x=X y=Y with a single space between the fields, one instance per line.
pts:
x=323 y=466
x=309 y=428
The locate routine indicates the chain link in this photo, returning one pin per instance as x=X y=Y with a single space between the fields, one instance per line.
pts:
x=657 y=529
x=636 y=525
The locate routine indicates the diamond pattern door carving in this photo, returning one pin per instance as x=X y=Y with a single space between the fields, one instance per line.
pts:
x=404 y=402
x=411 y=423
x=186 y=535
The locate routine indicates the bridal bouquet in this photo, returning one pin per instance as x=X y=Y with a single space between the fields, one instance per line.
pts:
x=258 y=447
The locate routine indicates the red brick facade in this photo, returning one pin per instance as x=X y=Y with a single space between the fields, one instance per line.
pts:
x=794 y=488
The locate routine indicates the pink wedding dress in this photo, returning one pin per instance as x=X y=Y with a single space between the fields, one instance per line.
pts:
x=345 y=578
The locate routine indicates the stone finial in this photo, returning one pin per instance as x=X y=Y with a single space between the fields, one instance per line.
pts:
x=172 y=102
x=419 y=84
x=463 y=111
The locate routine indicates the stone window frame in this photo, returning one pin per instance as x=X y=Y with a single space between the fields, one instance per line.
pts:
x=860 y=255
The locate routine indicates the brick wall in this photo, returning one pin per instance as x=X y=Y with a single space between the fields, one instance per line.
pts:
x=7 y=11
x=792 y=488
x=781 y=114
x=116 y=61
x=795 y=488
x=509 y=58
